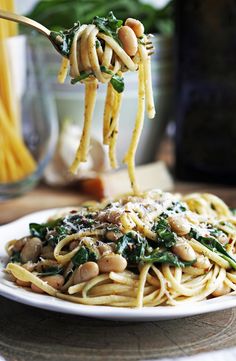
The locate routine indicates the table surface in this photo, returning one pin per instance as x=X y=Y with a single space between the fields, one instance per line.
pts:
x=28 y=333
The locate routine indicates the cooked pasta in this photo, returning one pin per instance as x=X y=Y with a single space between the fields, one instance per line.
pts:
x=16 y=160
x=100 y=53
x=136 y=251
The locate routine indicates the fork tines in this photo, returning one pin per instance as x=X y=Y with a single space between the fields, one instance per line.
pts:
x=150 y=48
x=149 y=45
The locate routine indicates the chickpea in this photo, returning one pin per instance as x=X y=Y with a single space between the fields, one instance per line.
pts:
x=31 y=250
x=22 y=283
x=221 y=290
x=184 y=251
x=85 y=272
x=55 y=281
x=112 y=262
x=128 y=40
x=136 y=26
x=202 y=262
x=179 y=225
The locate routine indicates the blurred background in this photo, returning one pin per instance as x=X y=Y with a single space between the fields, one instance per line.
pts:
x=194 y=80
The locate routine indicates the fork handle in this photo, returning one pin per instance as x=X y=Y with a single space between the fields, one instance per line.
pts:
x=26 y=21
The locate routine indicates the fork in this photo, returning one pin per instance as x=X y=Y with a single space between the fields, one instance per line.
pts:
x=55 y=38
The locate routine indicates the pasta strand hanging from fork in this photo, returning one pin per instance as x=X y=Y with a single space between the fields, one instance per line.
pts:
x=102 y=52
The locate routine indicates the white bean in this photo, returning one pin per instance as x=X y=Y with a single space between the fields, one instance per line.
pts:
x=112 y=263
x=73 y=245
x=223 y=239
x=104 y=249
x=55 y=281
x=202 y=262
x=22 y=283
x=136 y=26
x=31 y=250
x=85 y=272
x=47 y=252
x=184 y=251
x=19 y=244
x=36 y=289
x=128 y=40
x=179 y=225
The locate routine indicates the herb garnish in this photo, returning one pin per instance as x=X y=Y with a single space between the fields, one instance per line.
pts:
x=51 y=271
x=83 y=75
x=83 y=255
x=214 y=245
x=67 y=37
x=165 y=236
x=132 y=247
x=109 y=25
x=116 y=81
x=53 y=231
x=166 y=257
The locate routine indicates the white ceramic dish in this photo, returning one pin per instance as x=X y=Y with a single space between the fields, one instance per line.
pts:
x=9 y=290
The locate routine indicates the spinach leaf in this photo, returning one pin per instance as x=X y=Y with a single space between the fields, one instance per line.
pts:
x=40 y=230
x=116 y=81
x=214 y=245
x=104 y=69
x=83 y=255
x=53 y=231
x=51 y=271
x=109 y=25
x=55 y=236
x=165 y=236
x=67 y=37
x=83 y=75
x=15 y=257
x=166 y=257
x=98 y=44
x=132 y=247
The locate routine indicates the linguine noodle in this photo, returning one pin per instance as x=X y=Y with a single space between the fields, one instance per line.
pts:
x=146 y=233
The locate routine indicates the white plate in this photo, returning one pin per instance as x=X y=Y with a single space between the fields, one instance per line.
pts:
x=9 y=290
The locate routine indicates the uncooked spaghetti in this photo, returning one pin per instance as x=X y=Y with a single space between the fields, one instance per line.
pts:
x=15 y=159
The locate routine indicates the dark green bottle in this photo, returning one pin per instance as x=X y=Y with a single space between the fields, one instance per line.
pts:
x=206 y=90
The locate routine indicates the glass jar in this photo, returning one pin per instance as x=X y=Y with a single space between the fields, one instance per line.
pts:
x=39 y=126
